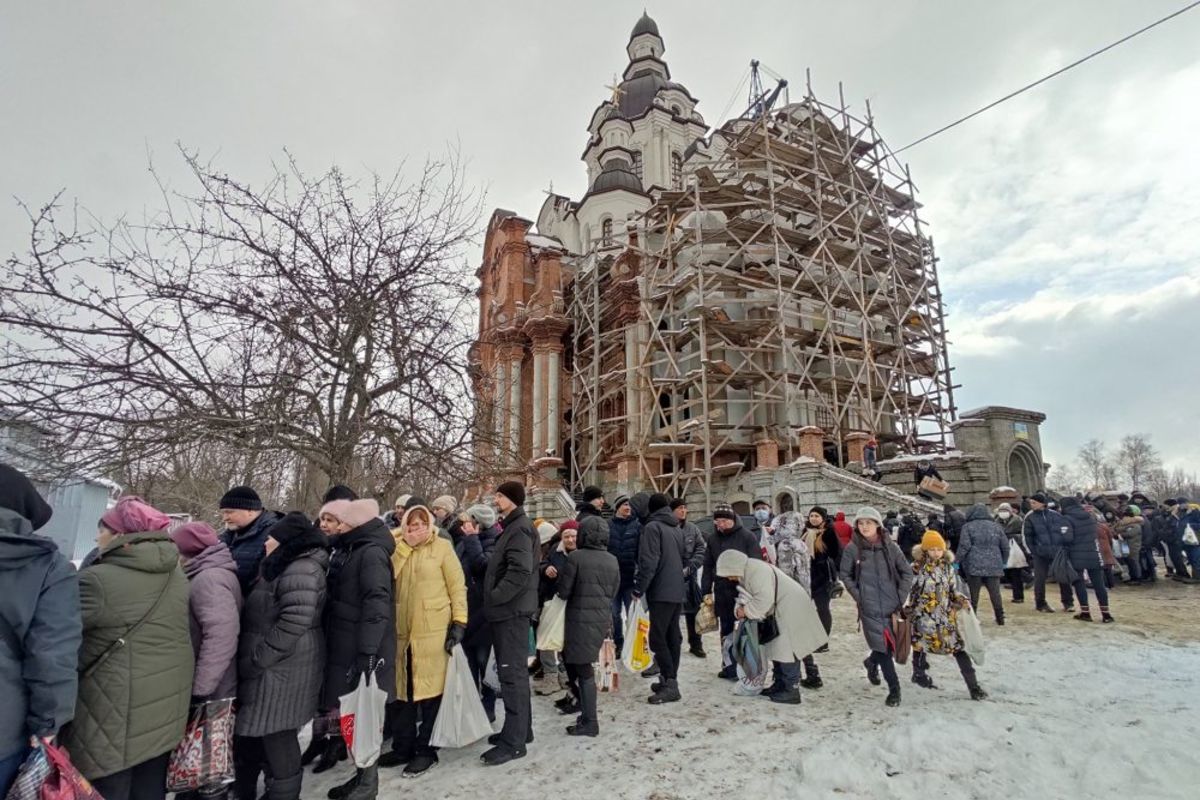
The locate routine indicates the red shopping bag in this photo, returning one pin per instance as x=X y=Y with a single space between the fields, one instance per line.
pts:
x=204 y=757
x=64 y=781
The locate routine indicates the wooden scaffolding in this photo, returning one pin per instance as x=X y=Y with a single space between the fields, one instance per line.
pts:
x=788 y=287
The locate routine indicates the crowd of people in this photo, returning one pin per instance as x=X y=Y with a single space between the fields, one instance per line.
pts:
x=284 y=614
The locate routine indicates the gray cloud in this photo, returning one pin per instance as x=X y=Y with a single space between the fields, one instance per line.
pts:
x=1077 y=194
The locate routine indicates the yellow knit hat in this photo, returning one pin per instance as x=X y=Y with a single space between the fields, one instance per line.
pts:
x=932 y=540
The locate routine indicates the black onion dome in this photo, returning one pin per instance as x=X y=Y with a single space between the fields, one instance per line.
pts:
x=617 y=174
x=645 y=25
x=639 y=91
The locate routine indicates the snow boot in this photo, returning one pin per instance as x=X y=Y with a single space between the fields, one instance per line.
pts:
x=315 y=749
x=788 y=696
x=698 y=650
x=812 y=682
x=669 y=693
x=334 y=752
x=893 y=698
x=501 y=754
x=774 y=688
x=1105 y=616
x=567 y=704
x=978 y=693
x=368 y=784
x=728 y=673
x=920 y=670
x=342 y=791
x=418 y=766
x=872 y=671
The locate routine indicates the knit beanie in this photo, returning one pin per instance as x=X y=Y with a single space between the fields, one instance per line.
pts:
x=678 y=502
x=620 y=501
x=573 y=524
x=545 y=531
x=445 y=502
x=134 y=515
x=590 y=493
x=658 y=501
x=339 y=492
x=932 y=540
x=292 y=525
x=761 y=502
x=413 y=501
x=358 y=512
x=725 y=511
x=194 y=538
x=241 y=497
x=335 y=509
x=514 y=491
x=19 y=495
x=485 y=516
x=866 y=512
x=402 y=500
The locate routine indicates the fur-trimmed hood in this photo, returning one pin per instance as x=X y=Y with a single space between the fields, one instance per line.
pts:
x=918 y=555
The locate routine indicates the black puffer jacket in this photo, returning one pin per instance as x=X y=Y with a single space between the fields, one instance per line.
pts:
x=1084 y=546
x=247 y=545
x=623 y=538
x=589 y=582
x=511 y=581
x=1046 y=532
x=983 y=548
x=661 y=560
x=826 y=561
x=281 y=655
x=360 y=610
x=724 y=591
x=473 y=553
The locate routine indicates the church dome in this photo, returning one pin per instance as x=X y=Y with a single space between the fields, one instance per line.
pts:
x=645 y=25
x=617 y=174
x=638 y=93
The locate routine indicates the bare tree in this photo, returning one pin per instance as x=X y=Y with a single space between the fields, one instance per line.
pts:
x=1136 y=458
x=310 y=323
x=1093 y=461
x=1064 y=479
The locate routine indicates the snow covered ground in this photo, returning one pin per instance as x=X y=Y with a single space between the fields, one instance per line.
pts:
x=1075 y=711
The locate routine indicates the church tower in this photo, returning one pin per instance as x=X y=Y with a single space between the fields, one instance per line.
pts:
x=638 y=140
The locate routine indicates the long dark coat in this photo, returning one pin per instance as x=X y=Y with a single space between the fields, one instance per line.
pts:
x=588 y=583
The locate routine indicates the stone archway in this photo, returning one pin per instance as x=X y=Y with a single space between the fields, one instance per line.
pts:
x=1024 y=471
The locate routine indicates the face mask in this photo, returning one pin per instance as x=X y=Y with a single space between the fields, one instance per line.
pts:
x=1004 y=515
x=762 y=515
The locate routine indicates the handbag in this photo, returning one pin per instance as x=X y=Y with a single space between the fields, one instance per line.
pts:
x=768 y=626
x=901 y=637
x=204 y=757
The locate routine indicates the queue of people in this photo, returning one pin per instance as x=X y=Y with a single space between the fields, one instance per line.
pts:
x=283 y=615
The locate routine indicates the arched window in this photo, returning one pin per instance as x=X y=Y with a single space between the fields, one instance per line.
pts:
x=606 y=232
x=677 y=111
x=676 y=171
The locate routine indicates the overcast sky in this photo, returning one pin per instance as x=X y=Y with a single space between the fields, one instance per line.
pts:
x=1067 y=221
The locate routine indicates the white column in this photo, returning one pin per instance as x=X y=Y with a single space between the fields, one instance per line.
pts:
x=539 y=398
x=514 y=400
x=499 y=404
x=553 y=412
x=633 y=414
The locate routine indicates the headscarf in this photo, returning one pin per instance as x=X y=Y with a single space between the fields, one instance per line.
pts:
x=134 y=515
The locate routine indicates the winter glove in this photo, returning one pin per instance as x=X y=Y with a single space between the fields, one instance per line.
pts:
x=454 y=636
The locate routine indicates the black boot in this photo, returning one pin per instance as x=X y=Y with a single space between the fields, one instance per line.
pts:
x=872 y=671
x=893 y=698
x=315 y=748
x=285 y=788
x=368 y=784
x=812 y=675
x=669 y=693
x=920 y=671
x=335 y=751
x=588 y=723
x=342 y=791
x=788 y=696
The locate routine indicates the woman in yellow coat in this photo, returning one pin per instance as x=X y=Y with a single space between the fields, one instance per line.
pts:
x=431 y=618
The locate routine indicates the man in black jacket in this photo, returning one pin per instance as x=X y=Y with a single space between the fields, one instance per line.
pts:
x=509 y=603
x=660 y=580
x=246 y=525
x=592 y=505
x=693 y=553
x=40 y=606
x=722 y=592
x=1046 y=532
x=474 y=537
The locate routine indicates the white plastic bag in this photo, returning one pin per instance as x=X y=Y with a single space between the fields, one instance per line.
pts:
x=362 y=721
x=1016 y=557
x=491 y=675
x=1190 y=537
x=304 y=736
x=971 y=633
x=552 y=627
x=636 y=654
x=461 y=719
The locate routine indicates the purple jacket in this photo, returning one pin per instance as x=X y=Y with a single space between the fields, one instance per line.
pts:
x=214 y=616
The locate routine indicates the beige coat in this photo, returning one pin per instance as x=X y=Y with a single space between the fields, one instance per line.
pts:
x=763 y=590
x=431 y=593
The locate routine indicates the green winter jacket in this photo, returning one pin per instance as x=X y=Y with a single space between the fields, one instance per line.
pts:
x=134 y=685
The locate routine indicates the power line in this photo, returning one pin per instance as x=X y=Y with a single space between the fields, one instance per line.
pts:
x=1054 y=74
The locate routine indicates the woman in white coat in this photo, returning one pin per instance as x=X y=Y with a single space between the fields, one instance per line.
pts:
x=764 y=591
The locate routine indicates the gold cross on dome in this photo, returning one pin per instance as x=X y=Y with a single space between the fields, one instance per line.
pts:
x=616 y=90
